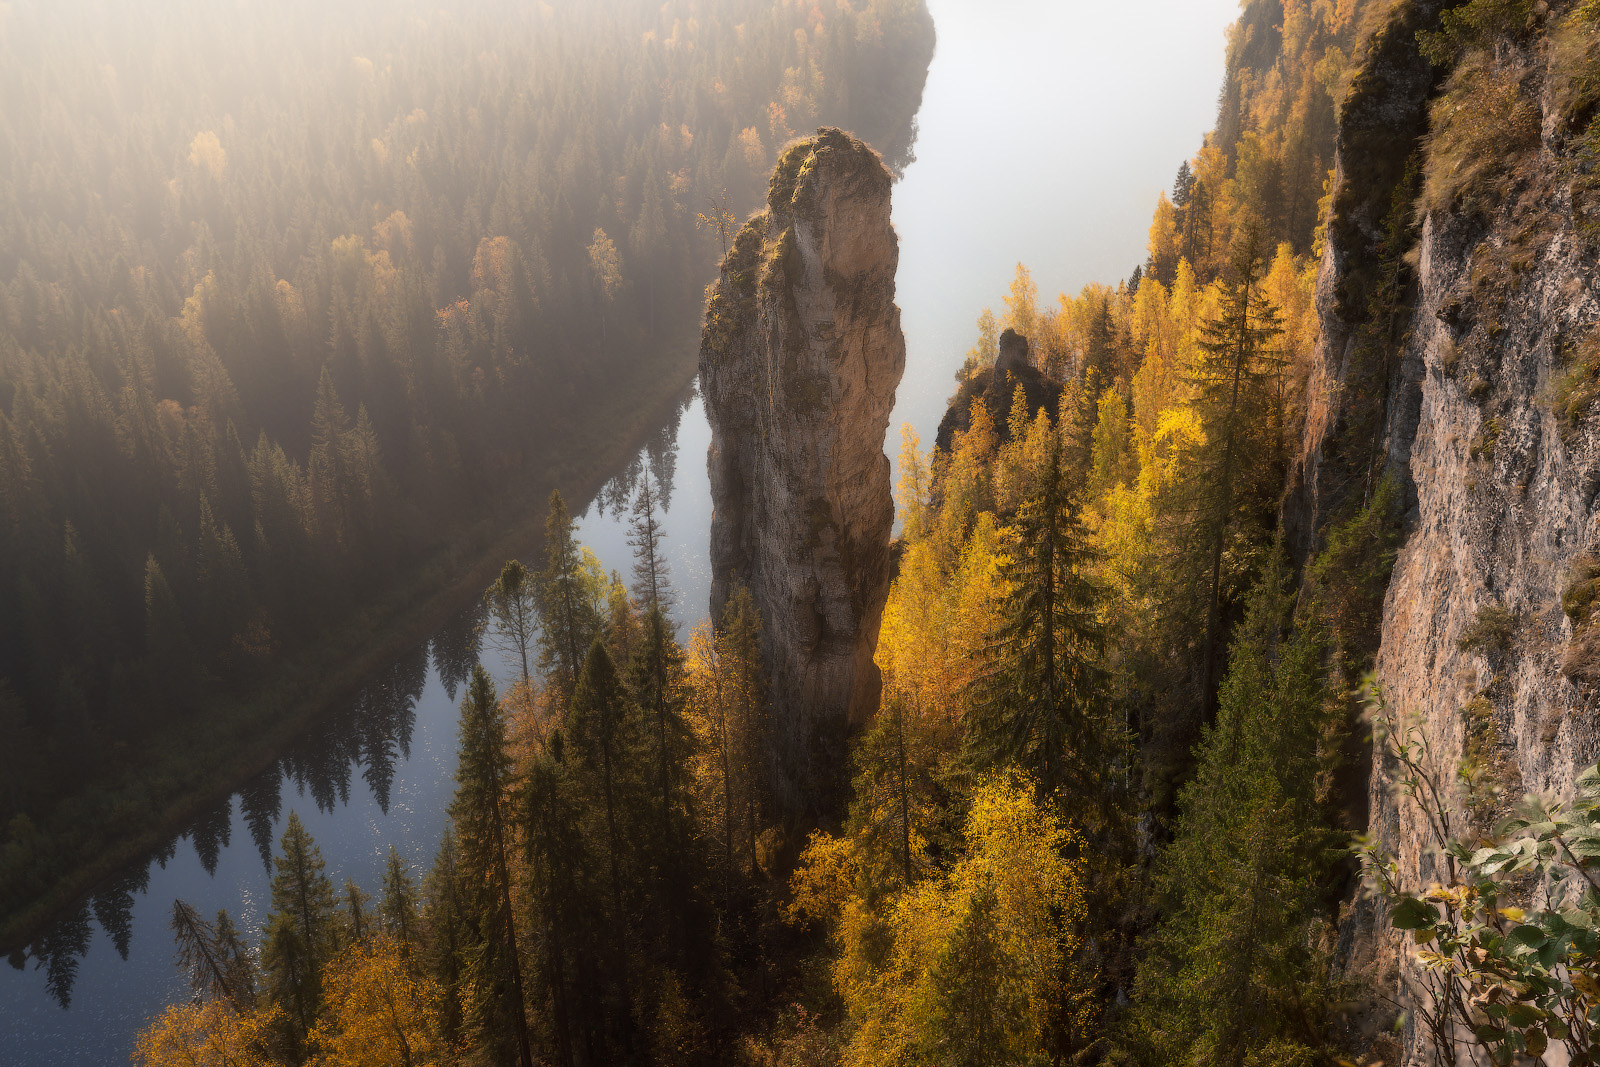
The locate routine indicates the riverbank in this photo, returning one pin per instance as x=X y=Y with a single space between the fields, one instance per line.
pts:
x=196 y=765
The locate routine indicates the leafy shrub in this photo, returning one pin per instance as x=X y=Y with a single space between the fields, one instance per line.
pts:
x=1582 y=661
x=1488 y=438
x=1514 y=969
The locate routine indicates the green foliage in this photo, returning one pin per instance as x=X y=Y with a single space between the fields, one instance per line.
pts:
x=1040 y=701
x=1475 y=24
x=1491 y=631
x=1508 y=941
x=1351 y=575
x=1487 y=439
x=301 y=934
x=1236 y=967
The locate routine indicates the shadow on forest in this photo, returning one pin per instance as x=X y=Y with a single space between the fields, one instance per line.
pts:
x=372 y=734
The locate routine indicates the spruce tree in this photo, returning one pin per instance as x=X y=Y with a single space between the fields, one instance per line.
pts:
x=481 y=816
x=444 y=911
x=1237 y=382
x=398 y=909
x=1040 y=701
x=1232 y=968
x=301 y=933
x=567 y=616
x=602 y=732
x=559 y=867
x=652 y=582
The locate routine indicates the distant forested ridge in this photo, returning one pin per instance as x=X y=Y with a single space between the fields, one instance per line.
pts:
x=290 y=293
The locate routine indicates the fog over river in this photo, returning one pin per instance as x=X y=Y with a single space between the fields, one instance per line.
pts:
x=1047 y=130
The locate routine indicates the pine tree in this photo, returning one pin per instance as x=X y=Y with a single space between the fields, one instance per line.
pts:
x=301 y=933
x=484 y=834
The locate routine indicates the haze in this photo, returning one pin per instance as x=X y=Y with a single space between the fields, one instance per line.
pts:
x=1048 y=127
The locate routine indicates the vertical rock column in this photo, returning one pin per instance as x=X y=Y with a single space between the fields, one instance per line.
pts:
x=799 y=362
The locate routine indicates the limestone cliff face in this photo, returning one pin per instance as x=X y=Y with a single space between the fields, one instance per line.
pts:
x=1498 y=487
x=799 y=362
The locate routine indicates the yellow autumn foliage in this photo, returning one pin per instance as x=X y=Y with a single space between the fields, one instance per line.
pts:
x=983 y=957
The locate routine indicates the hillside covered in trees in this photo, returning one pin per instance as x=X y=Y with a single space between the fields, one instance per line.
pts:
x=1097 y=816
x=1135 y=727
x=300 y=302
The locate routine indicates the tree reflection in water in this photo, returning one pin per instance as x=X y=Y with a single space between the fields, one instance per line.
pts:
x=371 y=732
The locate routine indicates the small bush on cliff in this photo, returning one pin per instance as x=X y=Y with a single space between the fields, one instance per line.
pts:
x=1477 y=23
x=1511 y=969
x=1579 y=386
x=1490 y=632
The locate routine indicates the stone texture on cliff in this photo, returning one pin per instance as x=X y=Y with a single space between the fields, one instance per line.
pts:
x=1500 y=496
x=799 y=362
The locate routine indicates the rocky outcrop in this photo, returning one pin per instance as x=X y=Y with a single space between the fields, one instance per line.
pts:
x=1499 y=480
x=996 y=387
x=799 y=361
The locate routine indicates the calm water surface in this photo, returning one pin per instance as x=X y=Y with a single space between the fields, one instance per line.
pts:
x=1047 y=129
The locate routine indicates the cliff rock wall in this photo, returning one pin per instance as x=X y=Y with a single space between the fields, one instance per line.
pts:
x=1460 y=400
x=799 y=362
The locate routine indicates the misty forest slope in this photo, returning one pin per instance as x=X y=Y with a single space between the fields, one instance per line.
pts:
x=293 y=295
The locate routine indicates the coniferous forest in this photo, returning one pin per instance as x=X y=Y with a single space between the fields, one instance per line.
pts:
x=1139 y=788
x=298 y=300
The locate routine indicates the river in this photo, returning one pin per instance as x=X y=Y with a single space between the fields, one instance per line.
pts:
x=1047 y=129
